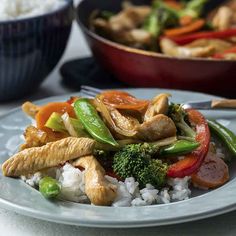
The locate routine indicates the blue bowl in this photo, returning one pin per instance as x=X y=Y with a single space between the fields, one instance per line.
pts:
x=30 y=48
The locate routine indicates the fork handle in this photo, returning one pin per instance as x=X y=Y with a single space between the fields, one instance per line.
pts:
x=224 y=103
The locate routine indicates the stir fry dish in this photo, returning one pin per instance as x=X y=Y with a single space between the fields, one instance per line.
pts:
x=174 y=28
x=118 y=150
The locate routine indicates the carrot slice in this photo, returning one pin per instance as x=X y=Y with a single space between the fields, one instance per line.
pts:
x=174 y=4
x=123 y=100
x=195 y=26
x=212 y=173
x=46 y=111
x=185 y=20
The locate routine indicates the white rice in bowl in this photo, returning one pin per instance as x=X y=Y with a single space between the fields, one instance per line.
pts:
x=16 y=9
x=128 y=192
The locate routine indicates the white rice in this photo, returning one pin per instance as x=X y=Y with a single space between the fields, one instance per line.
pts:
x=72 y=184
x=15 y=9
x=33 y=180
x=128 y=192
x=180 y=190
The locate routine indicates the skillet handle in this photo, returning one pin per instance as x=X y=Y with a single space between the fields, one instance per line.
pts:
x=224 y=103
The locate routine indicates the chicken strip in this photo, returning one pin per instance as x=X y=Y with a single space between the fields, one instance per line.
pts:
x=52 y=154
x=223 y=18
x=30 y=109
x=129 y=18
x=170 y=48
x=218 y=44
x=98 y=189
x=158 y=105
x=120 y=125
x=140 y=36
x=124 y=122
x=131 y=37
x=35 y=137
x=156 y=128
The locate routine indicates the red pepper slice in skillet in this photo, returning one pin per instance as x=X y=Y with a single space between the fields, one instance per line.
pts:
x=223 y=54
x=181 y=40
x=123 y=100
x=193 y=161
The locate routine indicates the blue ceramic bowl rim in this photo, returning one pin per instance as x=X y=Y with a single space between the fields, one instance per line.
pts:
x=50 y=13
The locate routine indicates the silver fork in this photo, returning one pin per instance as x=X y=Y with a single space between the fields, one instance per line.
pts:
x=91 y=92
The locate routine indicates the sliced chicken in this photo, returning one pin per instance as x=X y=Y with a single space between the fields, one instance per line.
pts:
x=30 y=109
x=98 y=189
x=156 y=128
x=170 y=48
x=121 y=125
x=35 y=137
x=140 y=36
x=124 y=125
x=52 y=154
x=218 y=44
x=129 y=18
x=223 y=18
x=230 y=56
x=124 y=122
x=158 y=105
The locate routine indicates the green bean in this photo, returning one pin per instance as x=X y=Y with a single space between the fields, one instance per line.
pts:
x=92 y=122
x=181 y=147
x=226 y=135
x=49 y=187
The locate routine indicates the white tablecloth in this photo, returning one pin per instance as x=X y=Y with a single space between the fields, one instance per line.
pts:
x=14 y=224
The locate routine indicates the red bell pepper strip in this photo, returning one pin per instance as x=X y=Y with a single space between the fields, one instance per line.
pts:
x=224 y=53
x=181 y=40
x=193 y=161
x=71 y=100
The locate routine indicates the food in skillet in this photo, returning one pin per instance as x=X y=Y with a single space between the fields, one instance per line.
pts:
x=118 y=150
x=174 y=28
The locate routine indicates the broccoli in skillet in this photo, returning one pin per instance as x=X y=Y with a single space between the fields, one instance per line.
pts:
x=164 y=16
x=136 y=160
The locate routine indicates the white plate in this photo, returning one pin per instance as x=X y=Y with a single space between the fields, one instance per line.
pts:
x=19 y=197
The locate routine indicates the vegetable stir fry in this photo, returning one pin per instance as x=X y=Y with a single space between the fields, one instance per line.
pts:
x=104 y=150
x=172 y=27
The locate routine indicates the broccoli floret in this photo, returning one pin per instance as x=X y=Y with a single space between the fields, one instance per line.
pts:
x=179 y=116
x=135 y=160
x=154 y=173
x=160 y=17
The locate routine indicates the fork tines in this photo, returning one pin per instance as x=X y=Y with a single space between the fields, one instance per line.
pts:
x=89 y=91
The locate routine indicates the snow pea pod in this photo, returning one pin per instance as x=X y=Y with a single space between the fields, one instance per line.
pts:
x=226 y=135
x=49 y=187
x=181 y=147
x=92 y=122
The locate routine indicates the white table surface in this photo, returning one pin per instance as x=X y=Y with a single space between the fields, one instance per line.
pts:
x=14 y=224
